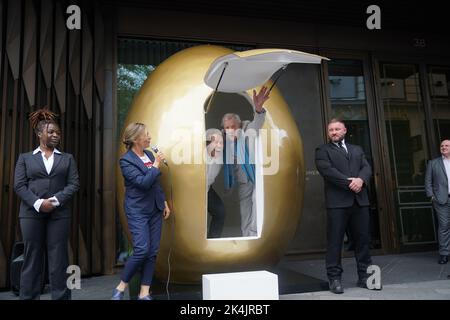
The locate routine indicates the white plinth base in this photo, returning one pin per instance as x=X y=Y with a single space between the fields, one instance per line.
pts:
x=252 y=285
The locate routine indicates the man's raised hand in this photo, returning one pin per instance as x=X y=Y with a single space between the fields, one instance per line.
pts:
x=260 y=98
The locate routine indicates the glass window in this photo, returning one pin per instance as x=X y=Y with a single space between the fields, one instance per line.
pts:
x=439 y=80
x=349 y=103
x=407 y=140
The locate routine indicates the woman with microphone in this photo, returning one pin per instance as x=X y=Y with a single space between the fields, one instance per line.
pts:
x=145 y=206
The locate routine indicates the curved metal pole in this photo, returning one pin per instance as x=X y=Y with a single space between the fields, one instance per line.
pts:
x=217 y=87
x=278 y=77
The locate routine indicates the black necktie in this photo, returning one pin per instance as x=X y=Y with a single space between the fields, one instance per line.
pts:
x=341 y=146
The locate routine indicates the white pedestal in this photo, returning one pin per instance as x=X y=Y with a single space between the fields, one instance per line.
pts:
x=252 y=285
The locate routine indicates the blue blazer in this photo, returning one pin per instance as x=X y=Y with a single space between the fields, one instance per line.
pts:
x=143 y=192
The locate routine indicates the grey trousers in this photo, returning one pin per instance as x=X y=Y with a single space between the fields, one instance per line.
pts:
x=246 y=191
x=443 y=216
x=38 y=234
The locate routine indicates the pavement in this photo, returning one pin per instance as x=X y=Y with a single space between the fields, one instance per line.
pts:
x=414 y=276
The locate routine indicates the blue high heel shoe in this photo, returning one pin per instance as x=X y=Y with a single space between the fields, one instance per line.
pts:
x=147 y=297
x=117 y=295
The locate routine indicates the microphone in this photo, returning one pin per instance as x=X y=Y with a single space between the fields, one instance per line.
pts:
x=155 y=150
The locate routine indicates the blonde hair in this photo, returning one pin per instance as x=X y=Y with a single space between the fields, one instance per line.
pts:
x=131 y=133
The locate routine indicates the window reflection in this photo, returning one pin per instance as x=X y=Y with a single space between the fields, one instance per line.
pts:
x=405 y=123
x=407 y=141
x=348 y=102
x=439 y=80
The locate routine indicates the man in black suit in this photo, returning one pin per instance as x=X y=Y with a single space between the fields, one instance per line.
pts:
x=45 y=181
x=346 y=173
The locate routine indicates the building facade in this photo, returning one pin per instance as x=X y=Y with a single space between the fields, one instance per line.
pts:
x=391 y=86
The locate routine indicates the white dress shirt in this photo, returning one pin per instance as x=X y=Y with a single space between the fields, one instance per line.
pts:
x=447 y=170
x=146 y=160
x=48 y=163
x=343 y=144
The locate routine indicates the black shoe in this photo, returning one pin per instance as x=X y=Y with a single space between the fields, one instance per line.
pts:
x=443 y=260
x=362 y=283
x=336 y=286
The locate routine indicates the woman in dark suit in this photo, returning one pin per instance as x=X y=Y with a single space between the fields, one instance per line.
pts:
x=45 y=181
x=145 y=206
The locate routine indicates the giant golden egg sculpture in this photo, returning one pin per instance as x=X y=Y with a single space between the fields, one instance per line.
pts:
x=172 y=104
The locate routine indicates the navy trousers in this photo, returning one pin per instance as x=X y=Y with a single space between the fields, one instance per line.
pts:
x=145 y=231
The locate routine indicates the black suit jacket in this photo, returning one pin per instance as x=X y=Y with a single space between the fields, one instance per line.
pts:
x=335 y=166
x=32 y=182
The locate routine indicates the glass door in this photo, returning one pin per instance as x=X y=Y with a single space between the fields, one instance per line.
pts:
x=407 y=144
x=439 y=82
x=348 y=101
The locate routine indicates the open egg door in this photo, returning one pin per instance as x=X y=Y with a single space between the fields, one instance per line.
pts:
x=231 y=76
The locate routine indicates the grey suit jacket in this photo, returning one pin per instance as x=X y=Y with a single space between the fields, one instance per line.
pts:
x=436 y=181
x=32 y=182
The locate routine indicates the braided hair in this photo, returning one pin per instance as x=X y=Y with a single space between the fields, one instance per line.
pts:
x=41 y=118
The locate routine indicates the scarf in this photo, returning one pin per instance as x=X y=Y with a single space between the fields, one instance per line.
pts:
x=243 y=158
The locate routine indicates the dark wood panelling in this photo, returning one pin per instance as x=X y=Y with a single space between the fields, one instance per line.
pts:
x=99 y=51
x=3 y=259
x=29 y=51
x=42 y=63
x=74 y=59
x=10 y=90
x=46 y=41
x=109 y=151
x=1 y=36
x=13 y=35
x=59 y=62
x=87 y=67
